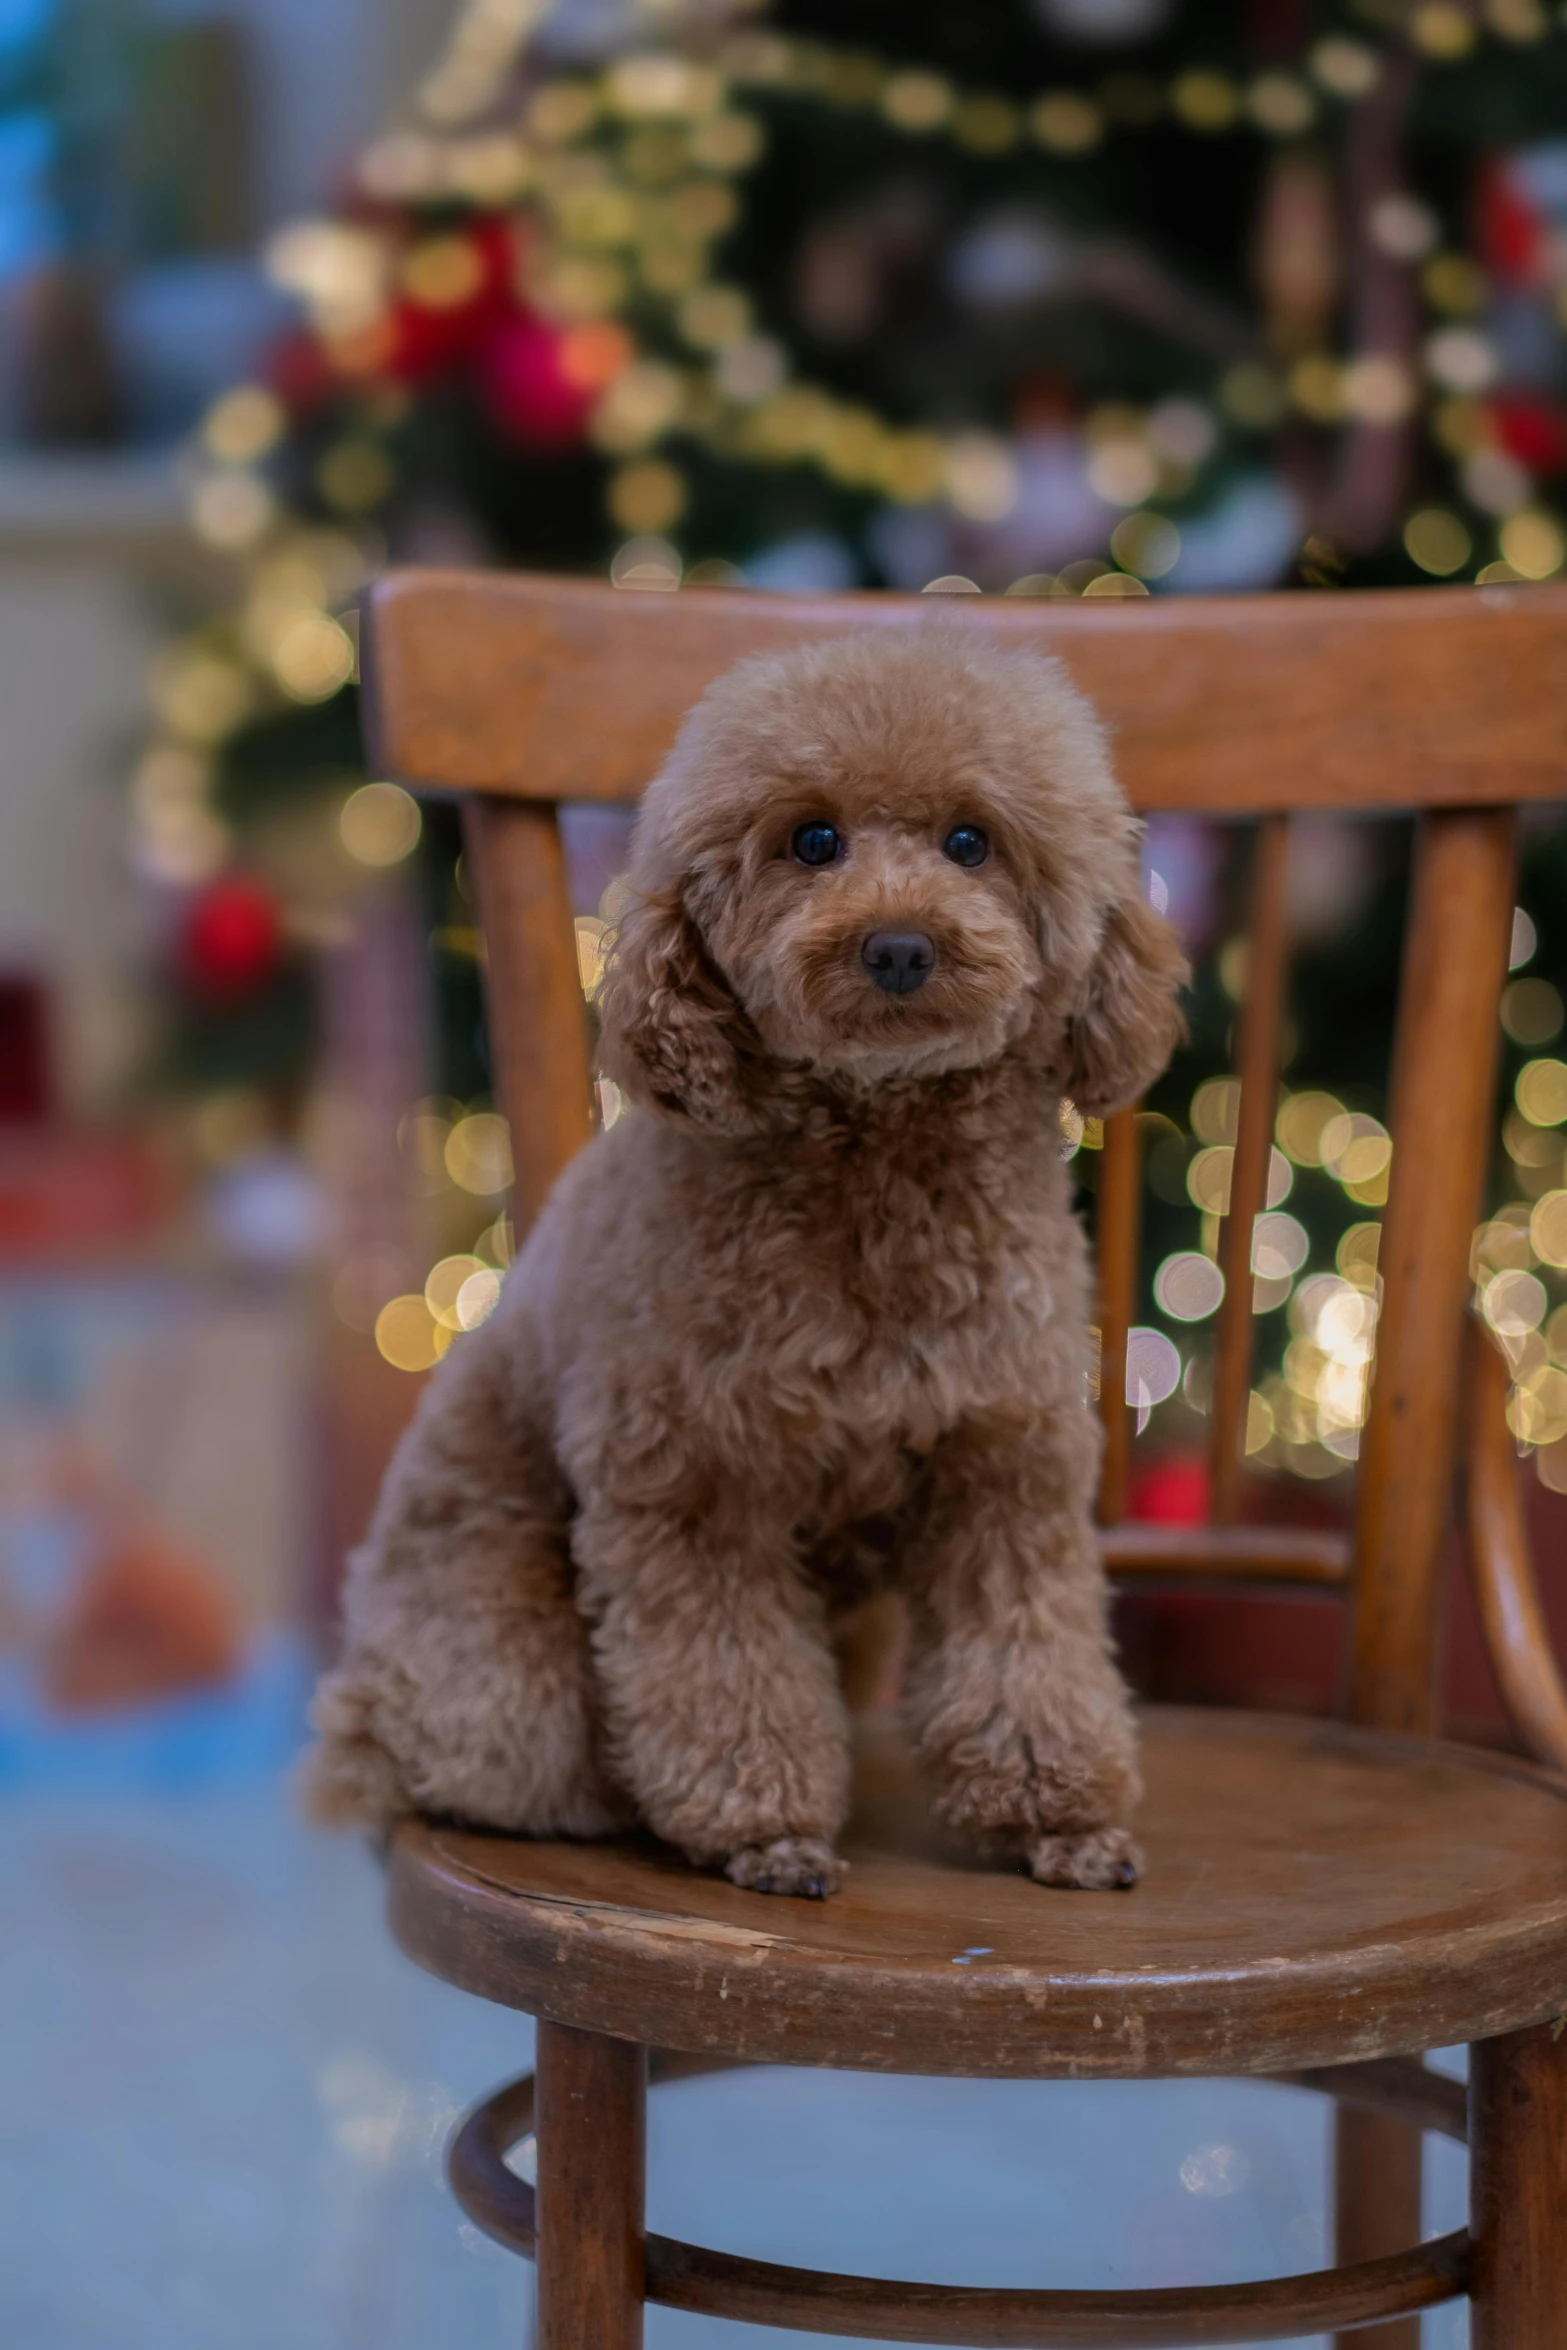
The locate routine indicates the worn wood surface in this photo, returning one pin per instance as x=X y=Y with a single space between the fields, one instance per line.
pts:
x=1234 y=1554
x=1115 y=1241
x=1257 y=1067
x=533 y=993
x=1310 y=1556
x=592 y=2124
x=1184 y=2317
x=1314 y=1894
x=687 y=2276
x=1518 y=2190
x=1517 y=1636
x=1441 y=1116
x=560 y=689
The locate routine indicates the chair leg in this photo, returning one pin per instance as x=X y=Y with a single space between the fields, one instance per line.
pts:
x=591 y=2120
x=1376 y=2207
x=1518 y=2190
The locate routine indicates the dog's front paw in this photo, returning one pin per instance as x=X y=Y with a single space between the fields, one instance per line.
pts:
x=1106 y=1860
x=800 y=1865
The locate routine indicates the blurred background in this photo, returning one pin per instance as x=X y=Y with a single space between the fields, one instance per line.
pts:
x=1050 y=298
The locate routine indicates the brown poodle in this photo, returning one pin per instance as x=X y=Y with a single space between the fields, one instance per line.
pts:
x=812 y=1317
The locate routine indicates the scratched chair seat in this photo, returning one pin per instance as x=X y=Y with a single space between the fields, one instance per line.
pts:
x=1314 y=1895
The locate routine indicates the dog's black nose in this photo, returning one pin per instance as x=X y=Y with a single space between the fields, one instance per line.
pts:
x=899 y=960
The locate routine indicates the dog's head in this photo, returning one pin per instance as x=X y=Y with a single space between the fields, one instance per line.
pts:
x=886 y=855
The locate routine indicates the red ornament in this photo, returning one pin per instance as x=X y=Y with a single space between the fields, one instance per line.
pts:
x=1532 y=429
x=232 y=938
x=531 y=391
x=455 y=290
x=1173 y=1492
x=1513 y=231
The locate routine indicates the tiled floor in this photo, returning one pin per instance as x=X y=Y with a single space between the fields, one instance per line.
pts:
x=223 y=2097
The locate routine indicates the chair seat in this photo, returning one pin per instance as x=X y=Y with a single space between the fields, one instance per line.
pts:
x=1314 y=1895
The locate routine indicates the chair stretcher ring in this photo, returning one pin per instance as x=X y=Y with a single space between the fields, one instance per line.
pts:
x=722 y=2284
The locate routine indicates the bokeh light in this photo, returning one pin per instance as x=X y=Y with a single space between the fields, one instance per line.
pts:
x=408 y=1335
x=1533 y=544
x=244 y=424
x=1537 y=1406
x=1355 y=1147
x=1356 y=1255
x=1540 y=1090
x=645 y=563
x=1548 y=1228
x=380 y=824
x=1437 y=541
x=1153 y=1368
x=444 y=1285
x=1300 y=1124
x=1513 y=1302
x=1215 y=1108
x=478 y=1154
x=1208 y=1178
x=1188 y=1286
x=1525 y=938
x=478 y=1297
x=314 y=657
x=1280 y=1246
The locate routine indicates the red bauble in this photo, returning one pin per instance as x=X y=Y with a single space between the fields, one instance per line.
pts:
x=1174 y=1491
x=529 y=393
x=425 y=341
x=1513 y=231
x=436 y=328
x=1531 y=428
x=232 y=938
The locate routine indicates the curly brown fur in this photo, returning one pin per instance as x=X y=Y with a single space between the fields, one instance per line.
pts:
x=810 y=1320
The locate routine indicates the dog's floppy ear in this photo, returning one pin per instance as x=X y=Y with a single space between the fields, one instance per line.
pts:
x=671 y=1033
x=1127 y=1021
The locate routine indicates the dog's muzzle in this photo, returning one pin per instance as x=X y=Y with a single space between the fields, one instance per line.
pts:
x=899 y=960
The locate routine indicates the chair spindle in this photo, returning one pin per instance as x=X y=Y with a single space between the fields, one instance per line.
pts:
x=1116 y=1236
x=1257 y=1067
x=1443 y=1081
x=533 y=992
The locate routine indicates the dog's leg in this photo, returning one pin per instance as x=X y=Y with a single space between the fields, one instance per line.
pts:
x=466 y=1683
x=1012 y=1696
x=725 y=1714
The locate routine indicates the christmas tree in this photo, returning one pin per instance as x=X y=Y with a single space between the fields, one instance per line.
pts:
x=1055 y=298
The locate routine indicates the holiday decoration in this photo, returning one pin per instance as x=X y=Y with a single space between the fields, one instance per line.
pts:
x=231 y=938
x=1057 y=299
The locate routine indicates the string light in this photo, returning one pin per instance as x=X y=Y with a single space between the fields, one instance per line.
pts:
x=629 y=172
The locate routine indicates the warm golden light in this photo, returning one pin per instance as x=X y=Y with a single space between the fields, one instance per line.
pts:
x=444 y=1285
x=408 y=1335
x=1437 y=541
x=313 y=657
x=1541 y=1092
x=379 y=824
x=1533 y=544
x=478 y=1154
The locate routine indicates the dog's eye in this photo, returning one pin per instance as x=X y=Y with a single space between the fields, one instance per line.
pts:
x=965 y=844
x=817 y=843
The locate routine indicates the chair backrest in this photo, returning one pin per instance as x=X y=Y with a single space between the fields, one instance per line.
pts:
x=520 y=693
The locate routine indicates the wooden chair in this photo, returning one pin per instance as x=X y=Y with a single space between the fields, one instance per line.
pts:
x=1323 y=1901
